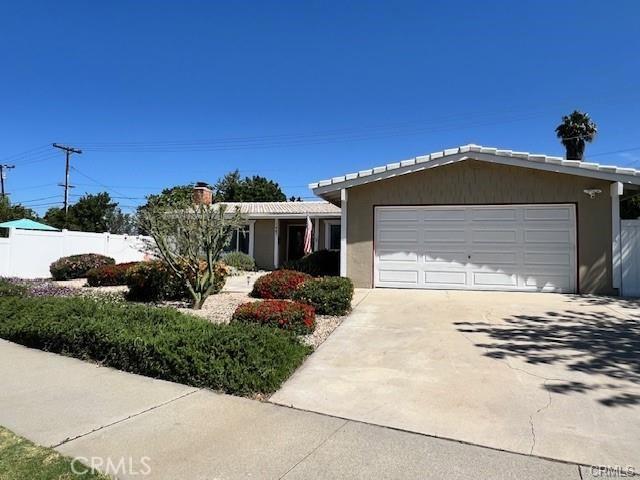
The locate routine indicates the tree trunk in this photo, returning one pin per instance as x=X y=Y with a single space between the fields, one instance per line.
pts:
x=575 y=148
x=197 y=301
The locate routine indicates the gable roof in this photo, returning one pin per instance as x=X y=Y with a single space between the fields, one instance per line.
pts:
x=283 y=209
x=325 y=188
x=26 y=224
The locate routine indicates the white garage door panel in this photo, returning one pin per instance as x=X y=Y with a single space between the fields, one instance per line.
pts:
x=486 y=214
x=494 y=236
x=398 y=235
x=398 y=256
x=444 y=215
x=547 y=212
x=494 y=279
x=484 y=247
x=445 y=278
x=399 y=276
x=543 y=258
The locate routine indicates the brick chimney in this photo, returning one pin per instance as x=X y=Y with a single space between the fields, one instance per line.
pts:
x=202 y=194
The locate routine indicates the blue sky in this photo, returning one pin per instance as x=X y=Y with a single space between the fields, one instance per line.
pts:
x=163 y=93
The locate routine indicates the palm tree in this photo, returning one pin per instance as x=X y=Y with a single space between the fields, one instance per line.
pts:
x=575 y=130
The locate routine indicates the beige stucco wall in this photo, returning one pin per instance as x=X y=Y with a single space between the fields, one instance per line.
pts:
x=263 y=239
x=474 y=182
x=263 y=243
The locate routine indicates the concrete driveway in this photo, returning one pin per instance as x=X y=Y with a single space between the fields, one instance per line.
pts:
x=551 y=375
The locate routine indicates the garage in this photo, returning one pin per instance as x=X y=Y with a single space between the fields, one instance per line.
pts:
x=476 y=247
x=482 y=218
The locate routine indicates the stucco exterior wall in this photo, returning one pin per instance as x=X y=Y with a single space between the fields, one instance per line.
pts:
x=263 y=244
x=474 y=182
x=263 y=239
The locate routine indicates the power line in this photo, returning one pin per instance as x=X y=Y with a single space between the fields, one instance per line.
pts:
x=38 y=199
x=32 y=187
x=615 y=151
x=101 y=184
x=25 y=153
x=329 y=136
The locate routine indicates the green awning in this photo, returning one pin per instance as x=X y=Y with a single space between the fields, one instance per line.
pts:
x=26 y=224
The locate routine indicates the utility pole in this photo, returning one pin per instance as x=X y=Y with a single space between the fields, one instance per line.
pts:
x=68 y=151
x=3 y=176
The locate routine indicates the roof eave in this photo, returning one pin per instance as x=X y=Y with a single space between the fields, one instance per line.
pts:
x=284 y=216
x=325 y=188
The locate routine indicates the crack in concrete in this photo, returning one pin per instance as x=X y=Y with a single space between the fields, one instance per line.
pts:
x=314 y=450
x=533 y=435
x=505 y=361
x=71 y=439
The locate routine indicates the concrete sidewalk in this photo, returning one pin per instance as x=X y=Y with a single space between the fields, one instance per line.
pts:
x=182 y=432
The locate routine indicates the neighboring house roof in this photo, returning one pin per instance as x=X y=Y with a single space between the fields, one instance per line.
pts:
x=324 y=188
x=26 y=224
x=283 y=209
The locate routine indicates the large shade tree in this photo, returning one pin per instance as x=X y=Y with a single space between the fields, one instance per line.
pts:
x=92 y=213
x=574 y=132
x=233 y=188
x=190 y=238
x=9 y=211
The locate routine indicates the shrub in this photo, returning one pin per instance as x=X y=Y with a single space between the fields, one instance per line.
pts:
x=152 y=282
x=328 y=295
x=77 y=266
x=318 y=264
x=40 y=287
x=278 y=284
x=157 y=342
x=240 y=261
x=296 y=317
x=109 y=275
x=11 y=289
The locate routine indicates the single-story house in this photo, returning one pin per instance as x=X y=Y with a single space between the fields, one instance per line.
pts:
x=481 y=218
x=274 y=232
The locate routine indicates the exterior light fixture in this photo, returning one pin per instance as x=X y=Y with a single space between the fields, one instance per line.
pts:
x=592 y=192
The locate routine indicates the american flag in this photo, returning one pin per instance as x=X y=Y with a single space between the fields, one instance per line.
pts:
x=307 y=236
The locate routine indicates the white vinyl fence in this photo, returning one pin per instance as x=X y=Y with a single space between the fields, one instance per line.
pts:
x=630 y=243
x=28 y=253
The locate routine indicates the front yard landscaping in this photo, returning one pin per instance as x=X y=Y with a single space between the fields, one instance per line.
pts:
x=229 y=342
x=240 y=359
x=20 y=459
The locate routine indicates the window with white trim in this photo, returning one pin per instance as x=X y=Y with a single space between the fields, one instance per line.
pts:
x=239 y=240
x=332 y=234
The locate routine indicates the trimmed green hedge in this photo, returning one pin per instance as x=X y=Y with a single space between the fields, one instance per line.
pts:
x=240 y=261
x=152 y=282
x=157 y=342
x=328 y=295
x=77 y=266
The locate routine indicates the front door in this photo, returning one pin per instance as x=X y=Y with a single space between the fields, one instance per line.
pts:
x=295 y=242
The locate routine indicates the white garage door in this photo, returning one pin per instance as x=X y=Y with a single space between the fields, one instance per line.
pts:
x=480 y=247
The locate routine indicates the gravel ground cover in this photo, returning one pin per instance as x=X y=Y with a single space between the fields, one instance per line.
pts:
x=217 y=309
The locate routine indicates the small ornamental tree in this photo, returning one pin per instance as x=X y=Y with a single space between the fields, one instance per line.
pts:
x=190 y=238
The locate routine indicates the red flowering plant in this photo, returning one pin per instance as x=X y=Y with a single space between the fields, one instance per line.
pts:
x=279 y=284
x=293 y=316
x=109 y=275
